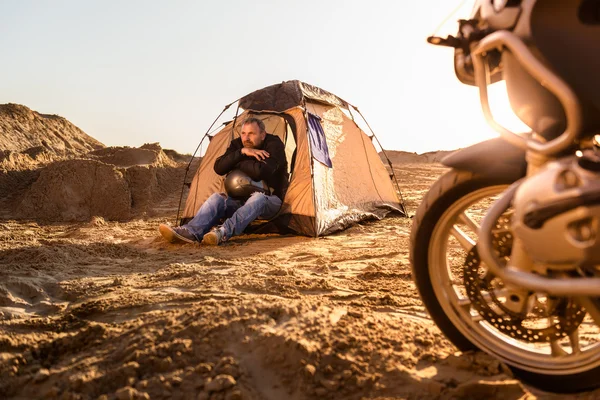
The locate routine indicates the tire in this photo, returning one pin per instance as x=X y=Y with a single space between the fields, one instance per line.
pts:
x=437 y=262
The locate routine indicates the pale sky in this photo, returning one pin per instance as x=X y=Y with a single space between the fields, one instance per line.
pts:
x=135 y=72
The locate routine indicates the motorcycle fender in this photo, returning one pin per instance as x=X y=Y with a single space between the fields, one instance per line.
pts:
x=495 y=158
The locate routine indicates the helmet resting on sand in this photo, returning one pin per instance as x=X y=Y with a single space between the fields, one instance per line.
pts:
x=240 y=186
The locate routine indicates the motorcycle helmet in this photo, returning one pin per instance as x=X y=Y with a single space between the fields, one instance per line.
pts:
x=239 y=185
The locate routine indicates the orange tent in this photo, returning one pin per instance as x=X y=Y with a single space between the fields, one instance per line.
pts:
x=324 y=195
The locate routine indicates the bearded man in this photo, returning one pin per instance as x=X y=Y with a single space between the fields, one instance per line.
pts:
x=259 y=155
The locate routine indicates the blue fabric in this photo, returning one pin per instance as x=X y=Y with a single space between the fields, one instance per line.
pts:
x=318 y=143
x=239 y=214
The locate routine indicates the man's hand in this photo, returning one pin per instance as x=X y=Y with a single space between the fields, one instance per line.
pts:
x=260 y=155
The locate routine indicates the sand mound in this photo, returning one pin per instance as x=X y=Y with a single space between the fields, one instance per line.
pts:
x=115 y=183
x=25 y=131
x=178 y=157
x=15 y=161
x=51 y=170
x=149 y=185
x=79 y=189
x=28 y=141
x=76 y=190
x=13 y=185
x=403 y=157
x=148 y=154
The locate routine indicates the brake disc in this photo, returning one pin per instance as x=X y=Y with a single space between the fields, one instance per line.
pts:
x=541 y=322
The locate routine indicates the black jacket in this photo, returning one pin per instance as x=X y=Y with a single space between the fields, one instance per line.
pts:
x=272 y=170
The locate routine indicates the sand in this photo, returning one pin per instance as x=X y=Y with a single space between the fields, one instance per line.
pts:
x=115 y=183
x=29 y=132
x=106 y=309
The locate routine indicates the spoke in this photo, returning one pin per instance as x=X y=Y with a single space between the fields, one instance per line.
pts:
x=465 y=303
x=592 y=306
x=557 y=350
x=476 y=318
x=574 y=339
x=468 y=221
x=465 y=241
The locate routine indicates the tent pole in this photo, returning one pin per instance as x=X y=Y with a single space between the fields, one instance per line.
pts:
x=193 y=155
x=402 y=205
x=237 y=110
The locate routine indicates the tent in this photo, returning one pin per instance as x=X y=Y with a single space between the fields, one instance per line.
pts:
x=336 y=175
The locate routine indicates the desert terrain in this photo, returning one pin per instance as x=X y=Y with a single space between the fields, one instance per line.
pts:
x=101 y=307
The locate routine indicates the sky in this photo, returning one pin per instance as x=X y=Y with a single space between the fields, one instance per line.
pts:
x=134 y=72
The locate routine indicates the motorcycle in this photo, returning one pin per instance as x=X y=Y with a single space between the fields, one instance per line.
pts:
x=505 y=247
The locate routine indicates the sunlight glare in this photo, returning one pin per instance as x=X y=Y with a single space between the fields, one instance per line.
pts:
x=502 y=111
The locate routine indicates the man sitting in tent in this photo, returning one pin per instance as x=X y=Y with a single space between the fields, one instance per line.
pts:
x=257 y=155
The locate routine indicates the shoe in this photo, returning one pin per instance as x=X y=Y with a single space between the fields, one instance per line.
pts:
x=175 y=234
x=214 y=237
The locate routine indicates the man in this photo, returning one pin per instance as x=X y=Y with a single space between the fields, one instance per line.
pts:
x=262 y=157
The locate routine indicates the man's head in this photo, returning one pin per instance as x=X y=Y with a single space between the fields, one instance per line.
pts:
x=253 y=133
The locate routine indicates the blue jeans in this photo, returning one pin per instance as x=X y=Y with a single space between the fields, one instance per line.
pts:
x=238 y=213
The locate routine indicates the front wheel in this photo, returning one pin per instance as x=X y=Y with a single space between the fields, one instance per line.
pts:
x=552 y=344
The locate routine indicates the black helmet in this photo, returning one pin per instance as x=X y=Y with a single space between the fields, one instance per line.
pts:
x=240 y=186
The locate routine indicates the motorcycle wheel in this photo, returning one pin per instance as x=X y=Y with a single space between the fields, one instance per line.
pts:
x=444 y=231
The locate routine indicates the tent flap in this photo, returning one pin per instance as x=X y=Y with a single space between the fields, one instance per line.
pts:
x=318 y=142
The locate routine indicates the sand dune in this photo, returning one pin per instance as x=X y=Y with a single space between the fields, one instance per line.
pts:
x=52 y=171
x=27 y=136
x=405 y=157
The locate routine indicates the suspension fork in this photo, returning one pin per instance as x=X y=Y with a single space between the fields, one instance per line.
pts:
x=518 y=297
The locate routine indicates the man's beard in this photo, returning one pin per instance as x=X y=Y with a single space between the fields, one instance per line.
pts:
x=251 y=145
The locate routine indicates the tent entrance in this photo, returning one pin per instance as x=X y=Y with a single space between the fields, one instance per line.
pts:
x=282 y=125
x=276 y=123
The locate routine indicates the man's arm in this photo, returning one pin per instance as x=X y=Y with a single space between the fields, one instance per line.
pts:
x=229 y=160
x=262 y=170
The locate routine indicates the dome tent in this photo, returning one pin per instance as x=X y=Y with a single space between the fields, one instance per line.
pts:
x=336 y=175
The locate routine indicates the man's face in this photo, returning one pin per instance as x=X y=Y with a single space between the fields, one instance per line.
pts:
x=251 y=135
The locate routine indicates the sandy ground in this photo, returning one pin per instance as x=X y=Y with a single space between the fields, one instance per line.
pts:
x=107 y=310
